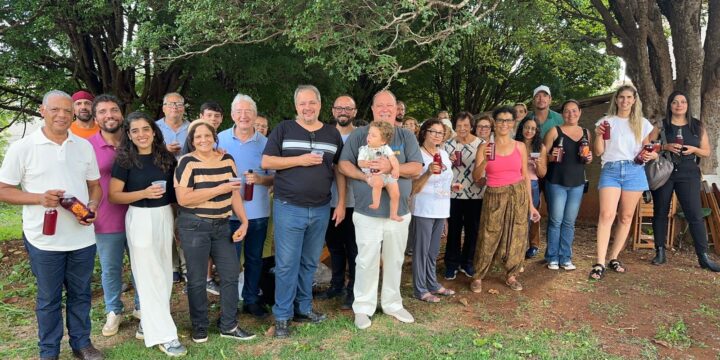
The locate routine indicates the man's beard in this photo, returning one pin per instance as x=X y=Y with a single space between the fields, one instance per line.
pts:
x=344 y=123
x=84 y=118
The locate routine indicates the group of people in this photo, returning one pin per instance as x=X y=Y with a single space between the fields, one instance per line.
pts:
x=368 y=192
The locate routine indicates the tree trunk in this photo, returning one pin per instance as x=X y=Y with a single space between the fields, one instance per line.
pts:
x=710 y=87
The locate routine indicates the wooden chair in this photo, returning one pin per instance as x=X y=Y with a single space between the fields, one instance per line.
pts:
x=712 y=222
x=642 y=222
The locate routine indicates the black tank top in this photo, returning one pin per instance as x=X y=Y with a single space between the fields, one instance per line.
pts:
x=571 y=171
x=684 y=162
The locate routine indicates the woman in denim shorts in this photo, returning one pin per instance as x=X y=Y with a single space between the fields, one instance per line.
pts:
x=622 y=181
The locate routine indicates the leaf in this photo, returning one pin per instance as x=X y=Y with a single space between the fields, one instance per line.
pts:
x=11 y=300
x=464 y=301
x=493 y=291
x=663 y=343
x=480 y=342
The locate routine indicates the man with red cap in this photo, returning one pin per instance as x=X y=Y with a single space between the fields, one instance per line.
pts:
x=84 y=125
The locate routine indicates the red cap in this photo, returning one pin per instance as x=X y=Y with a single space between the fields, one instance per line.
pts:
x=82 y=95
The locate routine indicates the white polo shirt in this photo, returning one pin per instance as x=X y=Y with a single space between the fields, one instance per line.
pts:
x=37 y=165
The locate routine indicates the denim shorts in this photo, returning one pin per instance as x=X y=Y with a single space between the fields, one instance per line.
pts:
x=625 y=175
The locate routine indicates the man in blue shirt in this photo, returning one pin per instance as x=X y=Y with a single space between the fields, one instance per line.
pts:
x=246 y=147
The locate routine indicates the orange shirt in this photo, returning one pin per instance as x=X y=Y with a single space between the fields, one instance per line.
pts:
x=83 y=132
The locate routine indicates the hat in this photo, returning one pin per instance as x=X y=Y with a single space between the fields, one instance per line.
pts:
x=541 y=88
x=82 y=95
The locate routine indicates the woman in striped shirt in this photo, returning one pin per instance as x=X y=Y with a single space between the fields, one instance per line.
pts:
x=207 y=191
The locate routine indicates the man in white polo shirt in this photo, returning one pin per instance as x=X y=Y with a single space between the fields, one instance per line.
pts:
x=48 y=164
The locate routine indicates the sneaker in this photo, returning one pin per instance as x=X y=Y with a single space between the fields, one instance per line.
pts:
x=568 y=266
x=112 y=324
x=362 y=321
x=176 y=277
x=137 y=314
x=173 y=348
x=402 y=315
x=212 y=287
x=255 y=310
x=531 y=252
x=282 y=329
x=330 y=293
x=238 y=334
x=139 y=334
x=450 y=274
x=468 y=270
x=199 y=335
x=312 y=316
x=553 y=265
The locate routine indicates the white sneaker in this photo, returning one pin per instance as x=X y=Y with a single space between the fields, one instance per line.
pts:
x=137 y=314
x=568 y=266
x=362 y=321
x=553 y=266
x=112 y=324
x=402 y=315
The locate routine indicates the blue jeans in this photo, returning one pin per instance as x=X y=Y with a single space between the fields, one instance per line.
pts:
x=563 y=206
x=111 y=251
x=253 y=244
x=299 y=239
x=625 y=175
x=52 y=270
x=535 y=188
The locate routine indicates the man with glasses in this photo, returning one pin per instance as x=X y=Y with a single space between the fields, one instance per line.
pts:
x=340 y=239
x=174 y=129
x=246 y=146
x=304 y=153
x=262 y=125
x=378 y=236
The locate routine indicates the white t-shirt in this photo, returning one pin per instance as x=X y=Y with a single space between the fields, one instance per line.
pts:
x=622 y=144
x=433 y=200
x=37 y=165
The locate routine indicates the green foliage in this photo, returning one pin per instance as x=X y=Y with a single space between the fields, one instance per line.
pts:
x=676 y=334
x=10 y=222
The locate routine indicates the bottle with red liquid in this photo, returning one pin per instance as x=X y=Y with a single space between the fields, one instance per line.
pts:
x=248 y=189
x=561 y=151
x=50 y=222
x=606 y=127
x=75 y=206
x=491 y=146
x=647 y=148
x=437 y=159
x=584 y=150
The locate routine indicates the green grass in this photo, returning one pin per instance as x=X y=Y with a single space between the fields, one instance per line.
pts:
x=10 y=222
x=675 y=334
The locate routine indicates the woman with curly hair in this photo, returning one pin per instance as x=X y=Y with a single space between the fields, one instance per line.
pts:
x=141 y=175
x=528 y=132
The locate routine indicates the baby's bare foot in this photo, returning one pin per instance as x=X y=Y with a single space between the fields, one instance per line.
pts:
x=396 y=218
x=374 y=206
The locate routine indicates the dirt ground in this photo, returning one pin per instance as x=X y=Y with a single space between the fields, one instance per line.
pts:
x=629 y=312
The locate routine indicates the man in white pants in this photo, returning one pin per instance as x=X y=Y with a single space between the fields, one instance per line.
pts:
x=374 y=231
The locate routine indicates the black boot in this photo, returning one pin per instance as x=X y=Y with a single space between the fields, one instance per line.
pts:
x=706 y=263
x=659 y=256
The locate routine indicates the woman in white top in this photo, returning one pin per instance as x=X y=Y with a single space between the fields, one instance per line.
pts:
x=622 y=181
x=431 y=206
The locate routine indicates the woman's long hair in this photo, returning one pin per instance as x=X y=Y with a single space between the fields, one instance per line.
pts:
x=535 y=142
x=696 y=126
x=636 y=115
x=127 y=154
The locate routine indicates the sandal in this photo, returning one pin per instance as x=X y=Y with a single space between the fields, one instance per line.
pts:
x=476 y=286
x=597 y=272
x=514 y=284
x=444 y=292
x=428 y=297
x=617 y=266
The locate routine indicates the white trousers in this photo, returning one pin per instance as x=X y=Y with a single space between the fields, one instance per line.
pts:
x=150 y=237
x=378 y=237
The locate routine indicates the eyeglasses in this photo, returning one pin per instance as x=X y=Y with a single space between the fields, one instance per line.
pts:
x=177 y=105
x=436 y=133
x=484 y=127
x=529 y=128
x=504 y=121
x=244 y=111
x=341 y=109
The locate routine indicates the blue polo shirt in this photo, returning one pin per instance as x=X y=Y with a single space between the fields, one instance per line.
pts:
x=170 y=135
x=248 y=155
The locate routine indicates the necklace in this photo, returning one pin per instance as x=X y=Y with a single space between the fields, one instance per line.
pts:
x=428 y=151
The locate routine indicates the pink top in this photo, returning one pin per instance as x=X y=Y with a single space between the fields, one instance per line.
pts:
x=111 y=217
x=504 y=170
